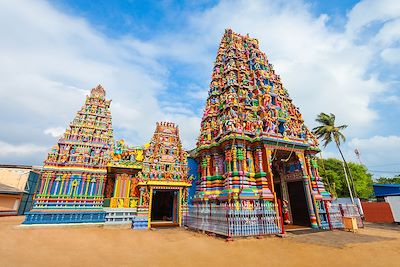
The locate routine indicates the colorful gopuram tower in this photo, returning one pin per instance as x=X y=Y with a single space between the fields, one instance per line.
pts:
x=254 y=149
x=163 y=181
x=75 y=171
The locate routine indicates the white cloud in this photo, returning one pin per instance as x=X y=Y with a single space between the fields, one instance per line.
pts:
x=366 y=12
x=8 y=150
x=54 y=131
x=50 y=60
x=379 y=153
x=323 y=70
x=391 y=55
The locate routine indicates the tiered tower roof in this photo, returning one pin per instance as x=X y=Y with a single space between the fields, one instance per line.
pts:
x=88 y=140
x=247 y=98
x=164 y=158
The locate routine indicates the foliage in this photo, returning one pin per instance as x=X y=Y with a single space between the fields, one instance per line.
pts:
x=328 y=130
x=385 y=180
x=331 y=171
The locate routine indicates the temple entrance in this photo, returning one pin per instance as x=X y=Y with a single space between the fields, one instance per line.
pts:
x=289 y=189
x=164 y=208
x=298 y=204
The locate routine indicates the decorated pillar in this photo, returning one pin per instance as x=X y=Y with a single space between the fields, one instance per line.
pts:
x=208 y=172
x=216 y=164
x=51 y=184
x=259 y=158
x=60 y=190
x=82 y=184
x=87 y=184
x=66 y=184
x=95 y=193
x=306 y=183
x=244 y=160
x=43 y=182
x=228 y=160
x=234 y=158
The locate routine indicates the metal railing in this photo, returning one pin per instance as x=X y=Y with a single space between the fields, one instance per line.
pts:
x=338 y=211
x=352 y=210
x=335 y=216
x=244 y=219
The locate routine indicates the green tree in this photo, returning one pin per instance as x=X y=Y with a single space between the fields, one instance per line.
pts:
x=328 y=132
x=386 y=180
x=331 y=171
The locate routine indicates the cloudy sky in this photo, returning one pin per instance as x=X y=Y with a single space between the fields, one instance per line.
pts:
x=155 y=61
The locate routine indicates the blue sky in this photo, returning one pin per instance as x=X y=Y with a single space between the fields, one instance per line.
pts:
x=155 y=59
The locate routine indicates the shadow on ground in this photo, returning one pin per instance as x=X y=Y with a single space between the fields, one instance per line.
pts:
x=385 y=226
x=336 y=238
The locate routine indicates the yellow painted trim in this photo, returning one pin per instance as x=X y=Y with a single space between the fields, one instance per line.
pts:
x=128 y=189
x=150 y=207
x=125 y=167
x=179 y=207
x=87 y=184
x=166 y=183
x=116 y=186
x=83 y=169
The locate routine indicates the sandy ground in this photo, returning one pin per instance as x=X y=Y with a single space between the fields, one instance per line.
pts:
x=98 y=246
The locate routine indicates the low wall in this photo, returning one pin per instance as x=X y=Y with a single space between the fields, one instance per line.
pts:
x=378 y=212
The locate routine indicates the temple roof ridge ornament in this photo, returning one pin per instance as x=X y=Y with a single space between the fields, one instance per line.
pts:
x=98 y=92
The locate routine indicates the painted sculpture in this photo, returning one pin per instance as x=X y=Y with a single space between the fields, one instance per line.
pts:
x=254 y=149
x=74 y=173
x=121 y=186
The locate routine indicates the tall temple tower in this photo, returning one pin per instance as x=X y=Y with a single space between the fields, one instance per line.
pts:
x=164 y=180
x=254 y=146
x=74 y=173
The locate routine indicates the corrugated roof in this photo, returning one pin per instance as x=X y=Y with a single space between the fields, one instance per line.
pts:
x=6 y=189
x=382 y=190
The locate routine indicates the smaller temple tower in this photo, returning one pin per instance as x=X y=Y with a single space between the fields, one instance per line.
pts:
x=74 y=172
x=163 y=181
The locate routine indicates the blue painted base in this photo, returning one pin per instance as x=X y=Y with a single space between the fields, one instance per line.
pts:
x=139 y=223
x=60 y=217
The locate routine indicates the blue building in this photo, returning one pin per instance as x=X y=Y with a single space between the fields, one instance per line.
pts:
x=384 y=190
x=389 y=193
x=19 y=183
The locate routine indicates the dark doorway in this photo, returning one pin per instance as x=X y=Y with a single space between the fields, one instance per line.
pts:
x=162 y=208
x=298 y=203
x=278 y=190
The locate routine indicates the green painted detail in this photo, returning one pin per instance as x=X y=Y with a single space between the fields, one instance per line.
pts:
x=260 y=174
x=215 y=177
x=314 y=163
x=240 y=155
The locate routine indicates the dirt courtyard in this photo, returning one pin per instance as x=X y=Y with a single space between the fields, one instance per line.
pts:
x=113 y=246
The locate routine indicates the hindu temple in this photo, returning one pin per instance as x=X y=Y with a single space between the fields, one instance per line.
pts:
x=252 y=171
x=254 y=150
x=87 y=177
x=75 y=171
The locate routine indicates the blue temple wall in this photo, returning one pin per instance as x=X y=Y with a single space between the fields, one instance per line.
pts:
x=193 y=166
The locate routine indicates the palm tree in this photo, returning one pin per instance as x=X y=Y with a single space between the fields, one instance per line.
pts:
x=329 y=132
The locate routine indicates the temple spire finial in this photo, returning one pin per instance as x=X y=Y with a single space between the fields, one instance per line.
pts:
x=98 y=91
